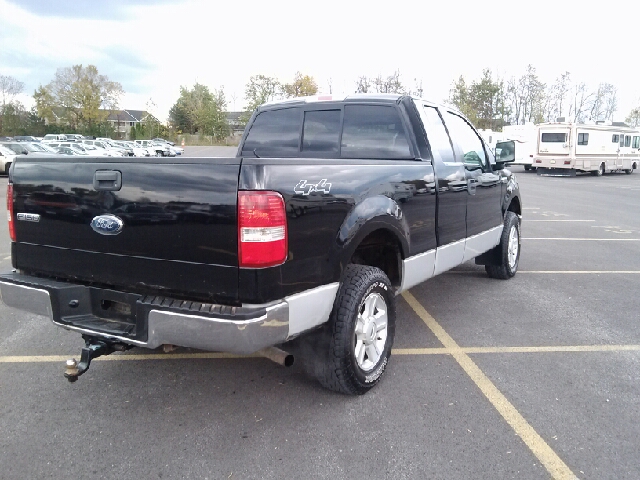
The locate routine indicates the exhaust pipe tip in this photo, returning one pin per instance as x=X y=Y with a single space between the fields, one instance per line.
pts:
x=276 y=355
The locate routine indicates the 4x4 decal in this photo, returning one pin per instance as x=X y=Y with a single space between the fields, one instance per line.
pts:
x=304 y=188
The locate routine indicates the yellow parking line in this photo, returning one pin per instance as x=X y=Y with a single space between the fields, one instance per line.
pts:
x=552 y=462
x=395 y=351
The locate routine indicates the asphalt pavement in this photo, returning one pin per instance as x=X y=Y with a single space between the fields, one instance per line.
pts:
x=535 y=377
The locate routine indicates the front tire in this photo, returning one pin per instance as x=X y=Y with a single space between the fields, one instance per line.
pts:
x=508 y=249
x=360 y=333
x=599 y=172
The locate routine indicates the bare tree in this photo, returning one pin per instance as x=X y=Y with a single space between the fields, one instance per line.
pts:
x=10 y=87
x=581 y=103
x=391 y=84
x=363 y=85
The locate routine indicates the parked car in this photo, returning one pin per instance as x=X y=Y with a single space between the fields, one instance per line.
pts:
x=74 y=137
x=162 y=140
x=53 y=136
x=7 y=157
x=26 y=148
x=25 y=138
x=156 y=148
x=70 y=151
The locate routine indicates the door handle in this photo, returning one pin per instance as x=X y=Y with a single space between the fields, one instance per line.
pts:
x=107 y=180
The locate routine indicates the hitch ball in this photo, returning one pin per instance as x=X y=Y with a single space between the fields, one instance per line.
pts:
x=71 y=372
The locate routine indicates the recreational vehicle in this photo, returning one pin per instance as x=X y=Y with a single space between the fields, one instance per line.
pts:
x=526 y=138
x=566 y=148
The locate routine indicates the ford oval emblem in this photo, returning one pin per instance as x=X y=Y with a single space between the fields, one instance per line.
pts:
x=107 y=224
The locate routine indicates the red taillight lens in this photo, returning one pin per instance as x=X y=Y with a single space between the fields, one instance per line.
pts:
x=538 y=161
x=12 y=227
x=567 y=162
x=262 y=229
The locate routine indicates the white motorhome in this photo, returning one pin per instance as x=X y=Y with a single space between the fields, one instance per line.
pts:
x=526 y=138
x=567 y=148
x=491 y=138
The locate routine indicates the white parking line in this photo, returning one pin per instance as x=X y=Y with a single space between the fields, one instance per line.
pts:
x=528 y=221
x=585 y=239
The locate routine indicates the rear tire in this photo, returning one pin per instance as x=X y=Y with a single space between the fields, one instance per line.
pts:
x=352 y=352
x=508 y=249
x=527 y=168
x=629 y=171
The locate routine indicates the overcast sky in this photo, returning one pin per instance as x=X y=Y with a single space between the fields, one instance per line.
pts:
x=152 y=47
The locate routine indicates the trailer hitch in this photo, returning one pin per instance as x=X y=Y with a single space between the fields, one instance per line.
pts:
x=93 y=348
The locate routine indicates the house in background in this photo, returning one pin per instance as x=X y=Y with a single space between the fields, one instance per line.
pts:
x=124 y=120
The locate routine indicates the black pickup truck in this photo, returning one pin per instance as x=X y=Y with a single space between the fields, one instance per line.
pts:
x=331 y=207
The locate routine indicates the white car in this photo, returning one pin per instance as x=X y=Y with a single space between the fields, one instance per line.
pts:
x=112 y=152
x=157 y=149
x=138 y=151
x=7 y=157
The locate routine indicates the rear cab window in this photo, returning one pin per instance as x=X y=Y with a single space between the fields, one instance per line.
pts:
x=347 y=130
x=553 y=137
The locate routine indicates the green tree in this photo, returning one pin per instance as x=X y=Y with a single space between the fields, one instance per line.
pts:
x=302 y=86
x=82 y=95
x=198 y=110
x=259 y=90
x=482 y=102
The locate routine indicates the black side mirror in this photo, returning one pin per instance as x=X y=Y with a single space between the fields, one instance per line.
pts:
x=505 y=153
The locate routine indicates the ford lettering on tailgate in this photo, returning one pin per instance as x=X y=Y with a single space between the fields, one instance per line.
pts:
x=107 y=224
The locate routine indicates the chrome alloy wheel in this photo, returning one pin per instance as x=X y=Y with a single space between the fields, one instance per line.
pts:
x=513 y=246
x=371 y=331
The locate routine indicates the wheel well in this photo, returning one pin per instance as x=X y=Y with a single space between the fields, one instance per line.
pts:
x=514 y=206
x=380 y=249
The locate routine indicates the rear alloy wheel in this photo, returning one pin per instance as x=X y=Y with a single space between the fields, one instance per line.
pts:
x=359 y=336
x=159 y=154
x=508 y=249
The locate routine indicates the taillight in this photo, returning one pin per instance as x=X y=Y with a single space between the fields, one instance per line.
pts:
x=262 y=229
x=12 y=227
x=567 y=162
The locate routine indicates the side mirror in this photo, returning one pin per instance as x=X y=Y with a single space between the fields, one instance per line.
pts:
x=505 y=153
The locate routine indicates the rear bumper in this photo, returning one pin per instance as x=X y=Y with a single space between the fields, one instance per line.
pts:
x=150 y=322
x=557 y=172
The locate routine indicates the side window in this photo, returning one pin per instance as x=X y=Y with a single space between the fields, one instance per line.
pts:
x=473 y=154
x=627 y=140
x=583 y=139
x=373 y=131
x=437 y=136
x=615 y=138
x=321 y=131
x=636 y=142
x=274 y=133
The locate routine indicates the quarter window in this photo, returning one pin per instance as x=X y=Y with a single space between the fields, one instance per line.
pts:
x=583 y=139
x=321 y=131
x=274 y=133
x=627 y=140
x=373 y=131
x=473 y=153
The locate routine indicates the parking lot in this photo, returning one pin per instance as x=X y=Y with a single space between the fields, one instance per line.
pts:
x=536 y=377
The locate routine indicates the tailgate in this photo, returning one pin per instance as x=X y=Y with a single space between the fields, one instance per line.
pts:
x=179 y=228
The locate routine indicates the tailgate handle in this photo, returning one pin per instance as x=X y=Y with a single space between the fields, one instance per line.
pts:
x=110 y=180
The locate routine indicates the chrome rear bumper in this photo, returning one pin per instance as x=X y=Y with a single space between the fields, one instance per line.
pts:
x=240 y=330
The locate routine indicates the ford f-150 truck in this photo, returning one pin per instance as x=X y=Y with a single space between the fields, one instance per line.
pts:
x=331 y=207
